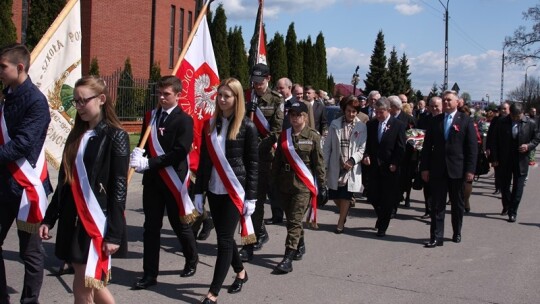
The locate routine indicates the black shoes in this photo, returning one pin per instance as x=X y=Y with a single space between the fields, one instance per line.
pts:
x=189 y=271
x=273 y=221
x=512 y=218
x=425 y=216
x=236 y=286
x=504 y=211
x=433 y=243
x=246 y=253
x=456 y=238
x=381 y=233
x=144 y=283
x=261 y=239
x=339 y=230
x=497 y=191
x=285 y=266
x=300 y=252
x=208 y=301
x=208 y=225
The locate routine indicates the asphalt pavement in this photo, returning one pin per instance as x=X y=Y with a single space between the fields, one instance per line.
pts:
x=496 y=262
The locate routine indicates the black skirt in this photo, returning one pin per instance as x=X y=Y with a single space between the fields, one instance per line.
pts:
x=340 y=193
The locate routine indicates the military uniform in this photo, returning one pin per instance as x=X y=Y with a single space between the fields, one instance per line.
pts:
x=271 y=105
x=295 y=195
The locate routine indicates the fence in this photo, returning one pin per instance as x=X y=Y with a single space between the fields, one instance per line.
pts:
x=133 y=96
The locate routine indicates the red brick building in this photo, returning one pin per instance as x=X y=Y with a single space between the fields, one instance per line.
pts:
x=146 y=31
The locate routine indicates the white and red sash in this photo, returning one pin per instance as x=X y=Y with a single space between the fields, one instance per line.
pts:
x=262 y=124
x=230 y=181
x=34 y=197
x=302 y=171
x=98 y=265
x=178 y=188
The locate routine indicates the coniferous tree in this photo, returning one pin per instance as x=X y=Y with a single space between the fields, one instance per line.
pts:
x=406 y=77
x=125 y=97
x=377 y=76
x=294 y=64
x=301 y=45
x=321 y=69
x=277 y=57
x=434 y=91
x=41 y=15
x=94 y=67
x=419 y=96
x=394 y=73
x=219 y=40
x=152 y=97
x=331 y=84
x=8 y=32
x=309 y=63
x=238 y=58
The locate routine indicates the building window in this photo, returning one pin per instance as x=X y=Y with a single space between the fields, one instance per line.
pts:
x=181 y=31
x=171 y=37
x=190 y=22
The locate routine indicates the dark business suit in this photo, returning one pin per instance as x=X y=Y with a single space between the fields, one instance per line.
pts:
x=448 y=161
x=382 y=192
x=319 y=115
x=176 y=142
x=408 y=165
x=513 y=165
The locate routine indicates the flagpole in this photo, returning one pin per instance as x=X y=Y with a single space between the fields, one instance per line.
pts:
x=52 y=29
x=202 y=15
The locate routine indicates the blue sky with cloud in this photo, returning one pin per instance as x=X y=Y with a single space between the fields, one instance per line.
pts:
x=476 y=33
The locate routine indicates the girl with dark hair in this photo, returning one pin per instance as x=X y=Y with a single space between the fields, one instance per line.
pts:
x=90 y=198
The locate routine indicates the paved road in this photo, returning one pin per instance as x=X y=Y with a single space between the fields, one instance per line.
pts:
x=497 y=261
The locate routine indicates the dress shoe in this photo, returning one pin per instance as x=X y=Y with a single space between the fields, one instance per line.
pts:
x=339 y=230
x=188 y=271
x=261 y=239
x=208 y=225
x=504 y=211
x=381 y=233
x=425 y=216
x=433 y=244
x=497 y=191
x=208 y=301
x=273 y=221
x=236 y=286
x=144 y=283
x=512 y=218
x=246 y=253
x=467 y=210
x=456 y=238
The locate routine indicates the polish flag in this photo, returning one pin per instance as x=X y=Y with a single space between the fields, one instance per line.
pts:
x=200 y=79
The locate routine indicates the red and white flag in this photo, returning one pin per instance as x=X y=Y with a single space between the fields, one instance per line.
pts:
x=200 y=79
x=261 y=47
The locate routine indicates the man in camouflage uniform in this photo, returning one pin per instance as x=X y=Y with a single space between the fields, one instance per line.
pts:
x=268 y=105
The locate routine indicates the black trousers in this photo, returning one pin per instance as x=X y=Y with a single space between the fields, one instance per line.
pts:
x=157 y=197
x=263 y=186
x=440 y=189
x=30 y=251
x=226 y=217
x=383 y=193
x=511 y=199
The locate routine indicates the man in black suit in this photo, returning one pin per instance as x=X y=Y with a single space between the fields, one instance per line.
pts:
x=516 y=135
x=448 y=159
x=385 y=147
x=371 y=99
x=421 y=111
x=408 y=165
x=503 y=111
x=319 y=110
x=174 y=132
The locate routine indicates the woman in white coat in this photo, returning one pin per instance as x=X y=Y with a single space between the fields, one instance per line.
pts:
x=343 y=150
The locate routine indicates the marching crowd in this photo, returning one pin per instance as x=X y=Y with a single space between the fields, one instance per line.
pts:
x=261 y=146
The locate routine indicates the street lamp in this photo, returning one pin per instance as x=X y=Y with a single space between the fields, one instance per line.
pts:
x=355 y=79
x=525 y=87
x=502 y=75
x=487 y=95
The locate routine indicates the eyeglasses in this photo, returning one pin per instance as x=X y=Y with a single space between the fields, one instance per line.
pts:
x=83 y=101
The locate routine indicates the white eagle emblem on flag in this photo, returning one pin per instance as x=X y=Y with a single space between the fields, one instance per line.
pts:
x=204 y=96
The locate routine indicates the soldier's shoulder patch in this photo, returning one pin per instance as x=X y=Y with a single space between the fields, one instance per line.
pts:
x=282 y=107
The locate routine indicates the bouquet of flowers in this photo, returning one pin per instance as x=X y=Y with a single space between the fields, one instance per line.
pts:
x=415 y=138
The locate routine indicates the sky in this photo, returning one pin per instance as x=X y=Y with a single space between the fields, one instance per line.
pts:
x=476 y=32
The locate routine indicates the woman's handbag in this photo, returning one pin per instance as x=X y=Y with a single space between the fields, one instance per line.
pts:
x=482 y=163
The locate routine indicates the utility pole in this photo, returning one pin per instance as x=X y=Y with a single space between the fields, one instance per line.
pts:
x=502 y=76
x=445 y=85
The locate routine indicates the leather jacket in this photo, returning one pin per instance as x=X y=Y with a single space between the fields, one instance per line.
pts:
x=242 y=155
x=106 y=159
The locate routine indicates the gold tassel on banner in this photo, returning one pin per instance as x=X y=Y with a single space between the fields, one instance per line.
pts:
x=250 y=239
x=90 y=282
x=28 y=227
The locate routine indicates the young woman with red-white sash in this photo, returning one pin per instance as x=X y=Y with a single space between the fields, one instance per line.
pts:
x=299 y=174
x=228 y=171
x=90 y=198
